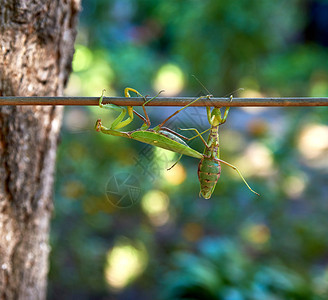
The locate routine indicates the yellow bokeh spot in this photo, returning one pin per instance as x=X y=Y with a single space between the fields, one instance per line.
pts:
x=98 y=77
x=163 y=154
x=164 y=158
x=258 y=160
x=319 y=84
x=82 y=58
x=249 y=83
x=319 y=88
x=176 y=175
x=92 y=73
x=155 y=204
x=125 y=262
x=294 y=186
x=169 y=78
x=313 y=141
x=257 y=234
x=250 y=93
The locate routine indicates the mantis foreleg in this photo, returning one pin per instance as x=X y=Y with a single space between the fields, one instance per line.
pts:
x=198 y=134
x=145 y=119
x=162 y=124
x=118 y=122
x=214 y=117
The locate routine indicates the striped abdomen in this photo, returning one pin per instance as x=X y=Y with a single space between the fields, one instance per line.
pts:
x=209 y=170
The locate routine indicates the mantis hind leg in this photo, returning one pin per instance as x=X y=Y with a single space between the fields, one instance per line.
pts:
x=168 y=118
x=118 y=122
x=144 y=109
x=198 y=134
x=241 y=176
x=174 y=163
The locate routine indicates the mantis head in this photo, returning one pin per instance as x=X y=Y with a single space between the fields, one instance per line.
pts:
x=98 y=125
x=215 y=117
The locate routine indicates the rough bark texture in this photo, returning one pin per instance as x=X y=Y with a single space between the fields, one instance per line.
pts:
x=36 y=49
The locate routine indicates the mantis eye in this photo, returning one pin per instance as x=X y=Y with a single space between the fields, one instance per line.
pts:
x=98 y=125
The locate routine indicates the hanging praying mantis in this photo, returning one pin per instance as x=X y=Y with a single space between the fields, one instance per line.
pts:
x=209 y=168
x=159 y=136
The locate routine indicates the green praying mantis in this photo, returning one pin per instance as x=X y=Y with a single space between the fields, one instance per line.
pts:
x=159 y=136
x=209 y=168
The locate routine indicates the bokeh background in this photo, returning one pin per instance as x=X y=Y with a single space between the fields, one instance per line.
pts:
x=124 y=227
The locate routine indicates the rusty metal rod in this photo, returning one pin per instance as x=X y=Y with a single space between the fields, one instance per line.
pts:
x=167 y=101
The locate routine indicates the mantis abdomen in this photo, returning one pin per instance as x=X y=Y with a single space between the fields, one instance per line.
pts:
x=209 y=171
x=209 y=168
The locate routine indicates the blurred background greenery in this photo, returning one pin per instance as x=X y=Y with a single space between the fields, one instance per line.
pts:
x=161 y=241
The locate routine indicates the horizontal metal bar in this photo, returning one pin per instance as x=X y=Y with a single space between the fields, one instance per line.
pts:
x=166 y=101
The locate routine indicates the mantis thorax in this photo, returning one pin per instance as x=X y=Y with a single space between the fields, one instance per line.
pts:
x=216 y=117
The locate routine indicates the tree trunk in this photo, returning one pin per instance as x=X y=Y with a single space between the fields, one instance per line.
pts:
x=36 y=49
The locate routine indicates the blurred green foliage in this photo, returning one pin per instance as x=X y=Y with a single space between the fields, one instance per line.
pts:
x=234 y=246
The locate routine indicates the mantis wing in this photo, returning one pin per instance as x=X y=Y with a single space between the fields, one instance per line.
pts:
x=166 y=141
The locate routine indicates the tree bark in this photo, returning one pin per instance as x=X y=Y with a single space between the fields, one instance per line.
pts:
x=36 y=50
